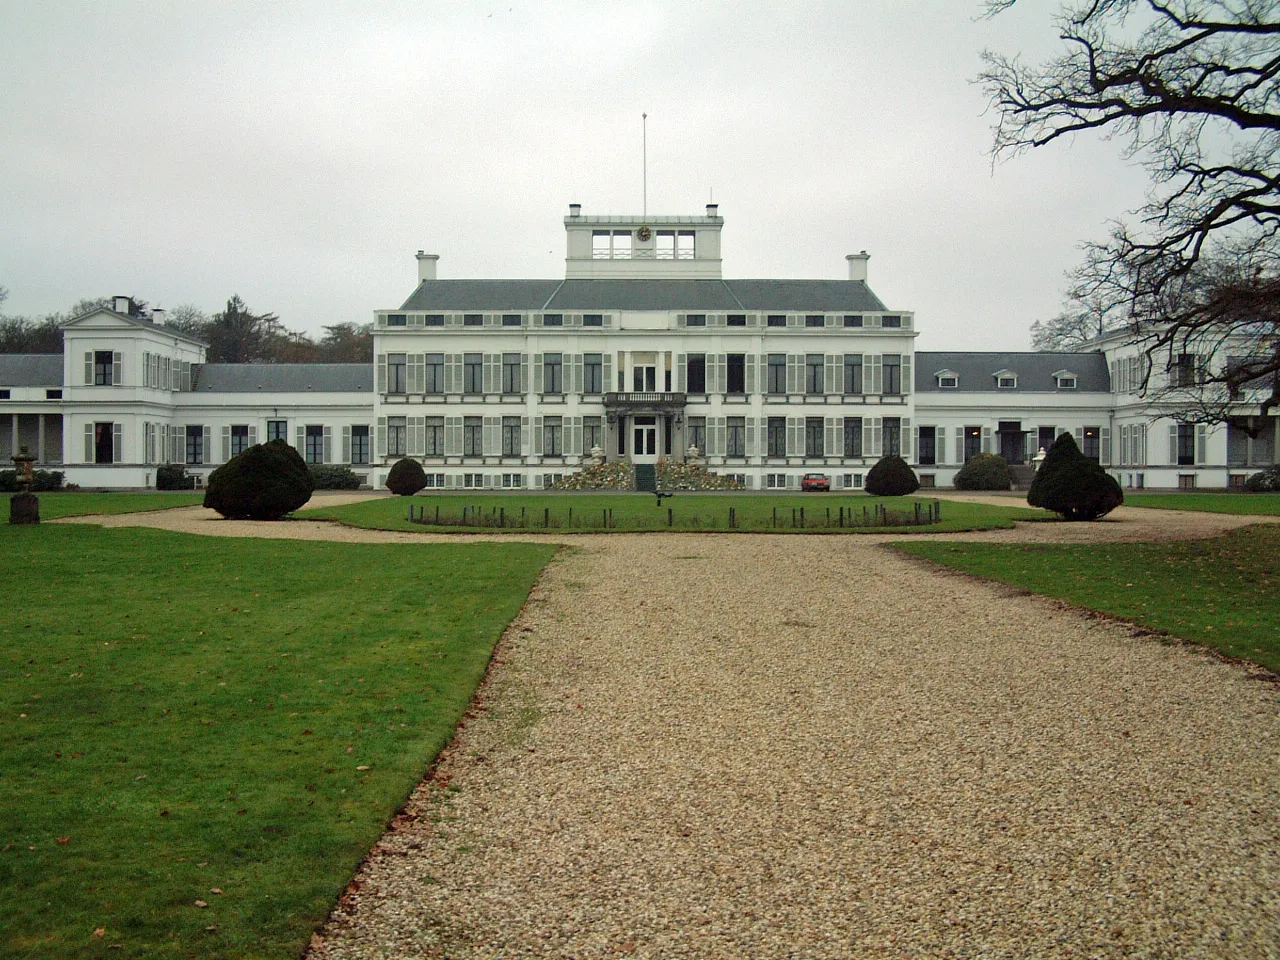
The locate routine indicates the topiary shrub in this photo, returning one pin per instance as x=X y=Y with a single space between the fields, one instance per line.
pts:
x=406 y=477
x=1266 y=481
x=891 y=477
x=1070 y=484
x=986 y=471
x=174 y=477
x=334 y=478
x=265 y=482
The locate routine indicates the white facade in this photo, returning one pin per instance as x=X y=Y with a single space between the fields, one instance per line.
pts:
x=642 y=349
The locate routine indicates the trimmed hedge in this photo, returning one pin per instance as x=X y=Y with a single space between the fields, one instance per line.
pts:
x=265 y=482
x=406 y=477
x=42 y=481
x=174 y=477
x=1265 y=481
x=891 y=477
x=1072 y=485
x=334 y=478
x=986 y=471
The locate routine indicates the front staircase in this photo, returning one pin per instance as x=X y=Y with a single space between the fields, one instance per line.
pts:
x=646 y=478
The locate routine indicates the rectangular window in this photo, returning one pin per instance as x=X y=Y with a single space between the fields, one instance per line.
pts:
x=511 y=436
x=1006 y=383
x=360 y=443
x=397 y=320
x=435 y=437
x=592 y=435
x=511 y=373
x=1045 y=437
x=696 y=373
x=891 y=323
x=815 y=320
x=853 y=436
x=927 y=453
x=696 y=320
x=813 y=445
x=736 y=373
x=892 y=440
x=852 y=320
x=777 y=436
x=102 y=367
x=853 y=374
x=777 y=320
x=472 y=436
x=552 y=373
x=396 y=440
x=435 y=373
x=195 y=444
x=313 y=450
x=4 y=394
x=511 y=319
x=892 y=374
x=684 y=245
x=736 y=437
x=473 y=319
x=473 y=373
x=1092 y=447
x=666 y=245
x=435 y=480
x=593 y=319
x=512 y=481
x=53 y=394
x=104 y=443
x=239 y=439
x=397 y=372
x=277 y=430
x=434 y=320
x=553 y=319
x=813 y=381
x=593 y=373
x=698 y=433
x=552 y=432
x=777 y=381
x=1183 y=370
x=1186 y=444
x=736 y=320
x=972 y=442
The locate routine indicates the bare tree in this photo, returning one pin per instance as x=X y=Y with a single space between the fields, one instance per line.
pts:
x=1191 y=86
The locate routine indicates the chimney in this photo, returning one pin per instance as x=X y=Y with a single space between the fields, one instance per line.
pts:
x=858 y=265
x=157 y=315
x=575 y=209
x=121 y=305
x=427 y=265
x=712 y=208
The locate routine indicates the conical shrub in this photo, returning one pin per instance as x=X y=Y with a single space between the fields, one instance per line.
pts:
x=1072 y=485
x=265 y=482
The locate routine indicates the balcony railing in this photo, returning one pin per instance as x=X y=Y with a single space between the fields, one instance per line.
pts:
x=644 y=399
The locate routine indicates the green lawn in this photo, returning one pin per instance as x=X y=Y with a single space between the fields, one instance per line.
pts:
x=181 y=714
x=54 y=505
x=640 y=512
x=1256 y=504
x=1223 y=592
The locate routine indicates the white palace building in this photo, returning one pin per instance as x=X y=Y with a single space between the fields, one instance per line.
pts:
x=643 y=349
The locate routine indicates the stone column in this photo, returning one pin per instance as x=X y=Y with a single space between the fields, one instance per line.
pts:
x=40 y=438
x=14 y=448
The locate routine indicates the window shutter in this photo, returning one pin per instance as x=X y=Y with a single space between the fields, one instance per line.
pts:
x=868 y=376
x=794 y=320
x=537 y=373
x=416 y=441
x=986 y=439
x=253 y=434
x=795 y=436
x=680 y=319
x=576 y=384
x=1173 y=443
x=721 y=436
x=682 y=372
x=749 y=373
x=185 y=385
x=206 y=445
x=607 y=373
x=417 y=373
x=524 y=373
x=226 y=444
x=1140 y=454
x=146 y=369
x=524 y=436
x=877 y=436
x=722 y=373
x=88 y=370
x=88 y=443
x=490 y=443
x=573 y=440
x=346 y=443
x=868 y=438
x=454 y=363
x=832 y=365
x=492 y=372
x=537 y=436
x=382 y=373
x=382 y=438
x=117 y=369
x=877 y=374
x=939 y=445
x=1202 y=443
x=831 y=442
x=1079 y=433
x=117 y=442
x=301 y=440
x=328 y=444
x=750 y=437
x=959 y=444
x=452 y=436
x=1104 y=443
x=794 y=372
x=907 y=383
x=906 y=439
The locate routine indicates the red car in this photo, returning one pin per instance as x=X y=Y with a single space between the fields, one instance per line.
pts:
x=815 y=482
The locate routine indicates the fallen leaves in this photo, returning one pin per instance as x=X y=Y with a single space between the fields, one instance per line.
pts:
x=201 y=904
x=100 y=932
x=63 y=841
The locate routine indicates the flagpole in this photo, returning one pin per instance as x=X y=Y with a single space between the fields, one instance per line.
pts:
x=644 y=153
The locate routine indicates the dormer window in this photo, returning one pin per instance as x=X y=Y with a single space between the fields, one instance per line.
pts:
x=891 y=323
x=1006 y=380
x=814 y=320
x=1065 y=380
x=947 y=379
x=397 y=320
x=852 y=320
x=696 y=320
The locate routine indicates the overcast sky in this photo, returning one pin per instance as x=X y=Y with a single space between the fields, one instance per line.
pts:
x=300 y=153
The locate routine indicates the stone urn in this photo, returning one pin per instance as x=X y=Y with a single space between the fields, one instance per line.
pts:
x=693 y=453
x=24 y=507
x=597 y=455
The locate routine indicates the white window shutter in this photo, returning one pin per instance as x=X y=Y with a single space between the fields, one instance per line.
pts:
x=328 y=444
x=794 y=368
x=577 y=373
x=537 y=373
x=868 y=437
x=749 y=373
x=117 y=442
x=492 y=368
x=986 y=439
x=206 y=445
x=1202 y=443
x=88 y=443
x=831 y=442
x=186 y=376
x=301 y=444
x=907 y=383
x=1173 y=443
x=524 y=373
x=877 y=436
x=537 y=436
x=253 y=434
x=829 y=373
x=1079 y=433
x=452 y=436
x=382 y=438
x=524 y=436
x=226 y=444
x=1104 y=443
x=145 y=380
x=905 y=440
x=117 y=369
x=751 y=437
x=346 y=443
x=877 y=374
x=88 y=370
x=416 y=439
x=417 y=373
x=682 y=372
x=606 y=365
x=490 y=436
x=381 y=368
x=573 y=446
x=795 y=436
x=868 y=375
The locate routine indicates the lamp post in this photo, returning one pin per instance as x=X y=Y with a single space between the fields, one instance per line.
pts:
x=24 y=507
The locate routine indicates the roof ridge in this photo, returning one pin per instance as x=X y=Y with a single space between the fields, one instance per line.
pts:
x=553 y=294
x=725 y=283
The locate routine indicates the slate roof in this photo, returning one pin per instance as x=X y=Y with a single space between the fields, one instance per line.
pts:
x=684 y=295
x=135 y=321
x=1035 y=371
x=282 y=378
x=30 y=369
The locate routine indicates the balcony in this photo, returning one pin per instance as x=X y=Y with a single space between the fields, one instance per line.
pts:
x=645 y=401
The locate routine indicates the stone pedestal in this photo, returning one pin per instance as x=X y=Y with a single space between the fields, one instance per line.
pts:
x=24 y=508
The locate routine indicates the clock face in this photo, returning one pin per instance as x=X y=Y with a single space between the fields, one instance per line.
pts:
x=643 y=234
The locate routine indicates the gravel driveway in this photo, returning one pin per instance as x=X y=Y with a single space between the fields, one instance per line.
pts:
x=724 y=747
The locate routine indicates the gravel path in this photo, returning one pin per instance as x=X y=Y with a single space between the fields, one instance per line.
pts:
x=807 y=747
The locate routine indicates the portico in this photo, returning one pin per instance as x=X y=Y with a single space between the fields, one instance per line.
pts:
x=642 y=427
x=40 y=433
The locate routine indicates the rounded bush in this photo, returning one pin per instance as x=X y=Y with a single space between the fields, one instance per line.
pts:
x=171 y=476
x=334 y=478
x=406 y=477
x=891 y=477
x=1265 y=481
x=986 y=471
x=265 y=482
x=1072 y=485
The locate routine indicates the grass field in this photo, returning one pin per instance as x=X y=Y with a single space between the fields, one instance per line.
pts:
x=191 y=720
x=640 y=512
x=54 y=505
x=1253 y=504
x=1222 y=592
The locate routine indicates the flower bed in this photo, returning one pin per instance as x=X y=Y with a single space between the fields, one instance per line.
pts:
x=601 y=476
x=673 y=475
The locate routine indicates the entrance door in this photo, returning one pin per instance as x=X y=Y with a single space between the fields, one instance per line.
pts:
x=644 y=440
x=1013 y=443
